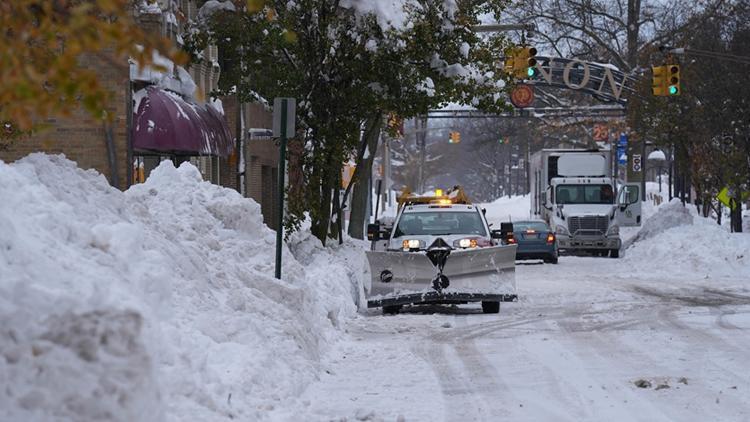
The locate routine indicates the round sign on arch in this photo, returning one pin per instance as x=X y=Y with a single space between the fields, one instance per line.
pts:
x=522 y=96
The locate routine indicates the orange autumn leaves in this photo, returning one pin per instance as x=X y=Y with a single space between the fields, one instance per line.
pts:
x=43 y=41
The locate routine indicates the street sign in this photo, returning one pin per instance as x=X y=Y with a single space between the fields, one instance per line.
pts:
x=522 y=96
x=623 y=142
x=284 y=109
x=601 y=132
x=726 y=198
x=637 y=163
x=622 y=156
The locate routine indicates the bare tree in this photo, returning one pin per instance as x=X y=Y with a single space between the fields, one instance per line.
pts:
x=615 y=31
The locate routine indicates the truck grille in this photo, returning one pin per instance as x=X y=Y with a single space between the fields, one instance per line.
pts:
x=588 y=226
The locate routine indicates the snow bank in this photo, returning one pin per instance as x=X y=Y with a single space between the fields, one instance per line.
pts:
x=514 y=208
x=675 y=240
x=669 y=215
x=157 y=303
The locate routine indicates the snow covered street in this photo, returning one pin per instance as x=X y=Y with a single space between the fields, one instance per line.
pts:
x=657 y=335
x=581 y=344
x=158 y=304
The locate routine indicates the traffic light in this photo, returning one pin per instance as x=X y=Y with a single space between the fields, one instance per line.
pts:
x=528 y=61
x=455 y=137
x=659 y=84
x=673 y=81
x=520 y=62
x=665 y=81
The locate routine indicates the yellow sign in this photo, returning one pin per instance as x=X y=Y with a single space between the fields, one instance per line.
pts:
x=346 y=175
x=728 y=201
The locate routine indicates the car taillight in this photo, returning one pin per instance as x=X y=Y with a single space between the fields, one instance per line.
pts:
x=511 y=239
x=550 y=238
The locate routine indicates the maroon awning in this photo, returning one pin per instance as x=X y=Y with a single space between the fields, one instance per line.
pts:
x=165 y=123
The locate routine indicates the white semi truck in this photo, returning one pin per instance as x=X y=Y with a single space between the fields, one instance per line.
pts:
x=574 y=192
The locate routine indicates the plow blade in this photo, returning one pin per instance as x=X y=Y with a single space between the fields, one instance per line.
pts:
x=477 y=272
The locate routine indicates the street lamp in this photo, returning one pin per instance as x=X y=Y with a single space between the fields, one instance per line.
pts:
x=657 y=156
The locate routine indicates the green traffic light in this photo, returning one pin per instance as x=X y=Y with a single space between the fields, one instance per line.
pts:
x=531 y=72
x=673 y=90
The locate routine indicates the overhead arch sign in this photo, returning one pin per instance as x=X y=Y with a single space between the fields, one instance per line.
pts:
x=603 y=81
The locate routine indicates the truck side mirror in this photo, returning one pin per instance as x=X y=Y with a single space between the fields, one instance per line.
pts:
x=373 y=232
x=496 y=234
x=506 y=227
x=506 y=233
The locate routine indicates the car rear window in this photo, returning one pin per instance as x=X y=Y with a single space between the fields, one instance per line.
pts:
x=530 y=225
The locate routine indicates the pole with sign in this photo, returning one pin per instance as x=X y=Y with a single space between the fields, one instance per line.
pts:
x=283 y=125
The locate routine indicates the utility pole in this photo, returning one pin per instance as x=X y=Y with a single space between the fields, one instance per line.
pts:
x=421 y=137
x=527 y=166
x=508 y=179
x=386 y=176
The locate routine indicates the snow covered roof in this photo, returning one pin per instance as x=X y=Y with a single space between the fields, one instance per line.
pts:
x=657 y=155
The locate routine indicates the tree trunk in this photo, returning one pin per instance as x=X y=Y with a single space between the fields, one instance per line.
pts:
x=361 y=189
x=336 y=220
x=634 y=17
x=320 y=207
x=735 y=215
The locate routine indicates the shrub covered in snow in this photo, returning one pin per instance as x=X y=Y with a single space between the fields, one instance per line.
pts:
x=156 y=303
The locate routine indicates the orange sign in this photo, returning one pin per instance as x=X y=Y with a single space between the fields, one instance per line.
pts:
x=601 y=132
x=522 y=96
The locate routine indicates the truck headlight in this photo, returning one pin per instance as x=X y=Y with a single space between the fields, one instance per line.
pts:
x=465 y=243
x=613 y=230
x=562 y=230
x=411 y=244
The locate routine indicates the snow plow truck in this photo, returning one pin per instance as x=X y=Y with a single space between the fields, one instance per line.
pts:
x=440 y=250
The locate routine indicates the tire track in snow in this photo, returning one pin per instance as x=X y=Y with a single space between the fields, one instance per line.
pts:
x=490 y=385
x=589 y=373
x=459 y=395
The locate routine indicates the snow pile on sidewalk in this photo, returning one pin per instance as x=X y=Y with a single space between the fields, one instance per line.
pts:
x=669 y=215
x=689 y=244
x=157 y=303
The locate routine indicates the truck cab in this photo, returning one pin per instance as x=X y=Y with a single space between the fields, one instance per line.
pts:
x=440 y=250
x=574 y=192
x=582 y=212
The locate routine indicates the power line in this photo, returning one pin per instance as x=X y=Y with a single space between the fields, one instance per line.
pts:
x=710 y=54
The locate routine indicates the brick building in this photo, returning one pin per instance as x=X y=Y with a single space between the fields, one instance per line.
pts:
x=111 y=148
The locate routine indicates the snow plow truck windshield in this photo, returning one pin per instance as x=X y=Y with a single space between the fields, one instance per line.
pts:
x=434 y=223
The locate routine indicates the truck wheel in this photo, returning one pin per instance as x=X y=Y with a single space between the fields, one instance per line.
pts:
x=552 y=259
x=614 y=253
x=391 y=310
x=490 y=307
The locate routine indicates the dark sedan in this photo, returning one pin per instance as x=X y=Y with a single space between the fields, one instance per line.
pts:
x=535 y=241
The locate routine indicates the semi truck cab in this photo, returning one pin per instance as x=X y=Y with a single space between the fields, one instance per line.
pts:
x=573 y=191
x=582 y=212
